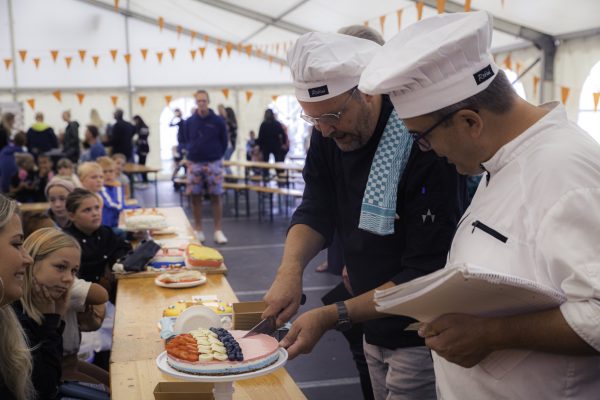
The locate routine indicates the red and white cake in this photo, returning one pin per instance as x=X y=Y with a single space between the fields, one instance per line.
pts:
x=221 y=352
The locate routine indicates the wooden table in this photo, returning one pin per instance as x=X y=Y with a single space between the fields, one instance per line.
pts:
x=131 y=169
x=34 y=207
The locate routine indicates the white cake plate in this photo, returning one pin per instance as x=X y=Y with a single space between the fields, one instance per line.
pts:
x=223 y=389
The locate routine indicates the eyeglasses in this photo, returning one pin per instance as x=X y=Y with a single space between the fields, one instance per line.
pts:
x=328 y=118
x=421 y=138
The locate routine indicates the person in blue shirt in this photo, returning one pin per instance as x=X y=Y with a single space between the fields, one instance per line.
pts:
x=96 y=148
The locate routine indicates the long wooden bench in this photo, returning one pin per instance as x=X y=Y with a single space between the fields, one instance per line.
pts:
x=268 y=192
x=238 y=189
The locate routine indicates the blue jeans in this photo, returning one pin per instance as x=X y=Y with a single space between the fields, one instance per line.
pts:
x=401 y=374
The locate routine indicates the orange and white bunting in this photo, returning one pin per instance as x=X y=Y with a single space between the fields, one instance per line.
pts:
x=142 y=100
x=193 y=54
x=202 y=50
x=113 y=54
x=114 y=100
x=179 y=30
x=57 y=95
x=31 y=103
x=596 y=98
x=159 y=56
x=240 y=47
x=206 y=40
x=441 y=6
x=274 y=97
x=23 y=55
x=193 y=35
x=127 y=58
x=80 y=97
x=249 y=50
x=467 y=5
x=518 y=67
x=508 y=61
x=161 y=23
x=116 y=5
x=419 y=6
x=564 y=94
x=7 y=63
x=68 y=61
x=36 y=62
x=220 y=52
x=54 y=54
x=225 y=93
x=228 y=48
x=536 y=82
x=82 y=54
x=168 y=99
x=382 y=23
x=144 y=53
x=172 y=50
x=249 y=94
x=95 y=59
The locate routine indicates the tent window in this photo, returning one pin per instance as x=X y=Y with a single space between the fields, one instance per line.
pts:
x=287 y=109
x=518 y=86
x=589 y=119
x=168 y=134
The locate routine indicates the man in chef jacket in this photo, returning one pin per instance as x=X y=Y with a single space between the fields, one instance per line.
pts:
x=536 y=213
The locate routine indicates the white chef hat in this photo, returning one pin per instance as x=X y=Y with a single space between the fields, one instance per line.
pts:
x=325 y=65
x=433 y=63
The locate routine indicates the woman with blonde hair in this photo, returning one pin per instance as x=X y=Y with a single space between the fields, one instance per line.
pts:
x=15 y=357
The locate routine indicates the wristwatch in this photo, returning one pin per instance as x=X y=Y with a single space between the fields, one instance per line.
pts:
x=343 y=323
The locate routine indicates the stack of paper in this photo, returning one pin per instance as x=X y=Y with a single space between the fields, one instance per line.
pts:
x=466 y=289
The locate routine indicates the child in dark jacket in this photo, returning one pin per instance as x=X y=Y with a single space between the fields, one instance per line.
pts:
x=24 y=183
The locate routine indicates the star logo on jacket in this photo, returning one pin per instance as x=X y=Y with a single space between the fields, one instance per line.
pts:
x=428 y=215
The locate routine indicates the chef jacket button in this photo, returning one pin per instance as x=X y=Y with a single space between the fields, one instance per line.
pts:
x=83 y=241
x=105 y=257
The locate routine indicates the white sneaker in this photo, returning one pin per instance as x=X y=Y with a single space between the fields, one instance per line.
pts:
x=200 y=236
x=220 y=237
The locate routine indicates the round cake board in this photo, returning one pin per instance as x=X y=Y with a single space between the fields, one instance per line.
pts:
x=223 y=389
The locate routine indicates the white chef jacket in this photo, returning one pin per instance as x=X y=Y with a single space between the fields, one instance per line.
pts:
x=538 y=218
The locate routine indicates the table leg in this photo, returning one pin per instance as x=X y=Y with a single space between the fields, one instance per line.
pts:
x=223 y=390
x=156 y=188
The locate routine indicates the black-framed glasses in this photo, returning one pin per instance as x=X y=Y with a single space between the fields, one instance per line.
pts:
x=328 y=118
x=421 y=138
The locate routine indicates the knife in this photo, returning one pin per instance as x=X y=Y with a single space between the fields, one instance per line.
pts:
x=268 y=325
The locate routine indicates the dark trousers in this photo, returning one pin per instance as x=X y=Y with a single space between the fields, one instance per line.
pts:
x=142 y=161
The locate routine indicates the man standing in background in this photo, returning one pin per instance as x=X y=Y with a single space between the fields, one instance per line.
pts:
x=71 y=138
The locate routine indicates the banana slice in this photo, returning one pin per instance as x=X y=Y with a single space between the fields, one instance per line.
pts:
x=220 y=357
x=203 y=342
x=206 y=357
x=218 y=348
x=205 y=349
x=211 y=333
x=213 y=340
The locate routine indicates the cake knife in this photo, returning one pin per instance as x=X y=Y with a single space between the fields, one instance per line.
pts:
x=268 y=325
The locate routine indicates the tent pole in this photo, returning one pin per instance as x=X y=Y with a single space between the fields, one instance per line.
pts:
x=129 y=88
x=11 y=23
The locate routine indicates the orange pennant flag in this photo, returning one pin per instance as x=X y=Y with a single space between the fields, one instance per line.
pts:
x=168 y=99
x=31 y=103
x=202 y=50
x=274 y=97
x=270 y=60
x=467 y=5
x=366 y=23
x=249 y=50
x=419 y=6
x=7 y=62
x=564 y=94
x=193 y=36
x=382 y=23
x=508 y=61
x=536 y=82
x=57 y=95
x=399 y=16
x=172 y=50
x=23 y=55
x=441 y=6
x=518 y=67
x=228 y=48
x=95 y=59
x=179 y=30
x=249 y=94
x=82 y=54
x=193 y=53
x=144 y=53
x=114 y=100
x=113 y=54
x=142 y=100
x=54 y=54
x=596 y=98
x=219 y=52
x=127 y=58
x=161 y=23
x=117 y=5
x=68 y=61
x=205 y=40
x=159 y=56
x=36 y=61
x=225 y=93
x=80 y=97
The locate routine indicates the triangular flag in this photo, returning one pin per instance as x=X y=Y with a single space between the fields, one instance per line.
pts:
x=228 y=48
x=168 y=99
x=225 y=93
x=193 y=36
x=23 y=55
x=82 y=55
x=467 y=5
x=172 y=50
x=113 y=54
x=248 y=49
x=144 y=53
x=159 y=56
x=202 y=50
x=596 y=98
x=95 y=59
x=142 y=100
x=249 y=94
x=193 y=53
x=36 y=61
x=179 y=30
x=270 y=60
x=564 y=94
x=508 y=61
x=68 y=61
x=7 y=62
x=220 y=52
x=205 y=40
x=54 y=54
x=117 y=5
x=382 y=23
x=274 y=97
x=441 y=6
x=80 y=97
x=57 y=95
x=161 y=23
x=366 y=23
x=536 y=81
x=31 y=103
x=127 y=58
x=518 y=67
x=114 y=100
x=419 y=6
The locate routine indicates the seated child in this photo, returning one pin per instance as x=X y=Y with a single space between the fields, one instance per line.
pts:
x=23 y=184
x=120 y=161
x=65 y=169
x=91 y=176
x=112 y=193
x=34 y=221
x=45 y=175
x=56 y=192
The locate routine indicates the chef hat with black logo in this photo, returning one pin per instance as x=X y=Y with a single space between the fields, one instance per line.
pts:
x=433 y=63
x=325 y=65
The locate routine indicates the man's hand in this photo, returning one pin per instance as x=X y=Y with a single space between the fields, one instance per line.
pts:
x=283 y=298
x=308 y=329
x=459 y=338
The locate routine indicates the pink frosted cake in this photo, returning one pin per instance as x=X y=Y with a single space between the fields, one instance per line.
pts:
x=221 y=352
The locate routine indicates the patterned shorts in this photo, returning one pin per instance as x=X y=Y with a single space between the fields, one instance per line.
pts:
x=206 y=176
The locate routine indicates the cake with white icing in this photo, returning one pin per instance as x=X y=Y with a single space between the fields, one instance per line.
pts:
x=144 y=219
x=221 y=352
